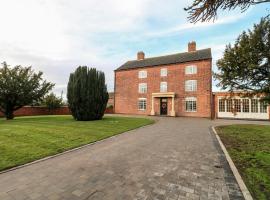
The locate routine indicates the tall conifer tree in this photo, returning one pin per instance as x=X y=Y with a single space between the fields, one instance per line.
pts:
x=87 y=94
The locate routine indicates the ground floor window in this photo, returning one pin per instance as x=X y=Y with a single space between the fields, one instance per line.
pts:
x=245 y=105
x=191 y=104
x=242 y=105
x=142 y=104
x=237 y=105
x=254 y=105
x=221 y=105
x=229 y=105
x=263 y=107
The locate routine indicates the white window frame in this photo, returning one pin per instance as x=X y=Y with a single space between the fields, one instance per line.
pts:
x=246 y=106
x=229 y=105
x=191 y=85
x=237 y=105
x=142 y=74
x=263 y=107
x=222 y=105
x=191 y=69
x=193 y=104
x=163 y=86
x=142 y=88
x=142 y=103
x=163 y=72
x=242 y=107
x=254 y=106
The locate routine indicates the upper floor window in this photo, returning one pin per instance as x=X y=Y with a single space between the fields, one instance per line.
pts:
x=191 y=85
x=191 y=69
x=142 y=74
x=142 y=87
x=163 y=72
x=163 y=86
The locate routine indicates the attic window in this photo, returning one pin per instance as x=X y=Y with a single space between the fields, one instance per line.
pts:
x=142 y=74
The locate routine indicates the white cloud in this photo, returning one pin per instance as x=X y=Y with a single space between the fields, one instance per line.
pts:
x=189 y=26
x=56 y=36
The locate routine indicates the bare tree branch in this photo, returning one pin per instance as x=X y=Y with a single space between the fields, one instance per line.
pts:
x=206 y=10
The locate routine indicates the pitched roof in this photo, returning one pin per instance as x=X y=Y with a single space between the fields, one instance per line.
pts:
x=168 y=59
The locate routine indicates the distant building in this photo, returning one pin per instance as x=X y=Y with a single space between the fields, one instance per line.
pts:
x=179 y=85
x=111 y=99
x=174 y=85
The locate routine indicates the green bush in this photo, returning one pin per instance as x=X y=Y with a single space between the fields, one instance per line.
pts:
x=52 y=102
x=87 y=94
x=110 y=106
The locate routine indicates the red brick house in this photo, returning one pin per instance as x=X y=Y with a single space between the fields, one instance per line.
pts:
x=174 y=85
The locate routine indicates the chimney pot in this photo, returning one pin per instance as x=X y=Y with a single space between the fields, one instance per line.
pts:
x=140 y=55
x=191 y=46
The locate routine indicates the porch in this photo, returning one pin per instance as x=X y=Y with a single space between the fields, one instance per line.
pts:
x=163 y=105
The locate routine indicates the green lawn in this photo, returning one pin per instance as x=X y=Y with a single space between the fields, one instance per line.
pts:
x=26 y=139
x=249 y=147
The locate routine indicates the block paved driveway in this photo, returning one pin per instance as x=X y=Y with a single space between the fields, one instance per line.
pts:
x=176 y=158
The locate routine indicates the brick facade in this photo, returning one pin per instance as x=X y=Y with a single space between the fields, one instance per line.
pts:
x=127 y=83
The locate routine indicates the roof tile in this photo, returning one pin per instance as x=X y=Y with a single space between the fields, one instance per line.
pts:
x=168 y=59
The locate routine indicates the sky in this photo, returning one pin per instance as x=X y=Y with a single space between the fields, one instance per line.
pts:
x=57 y=36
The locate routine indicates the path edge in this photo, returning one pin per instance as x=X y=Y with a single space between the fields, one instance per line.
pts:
x=236 y=174
x=73 y=149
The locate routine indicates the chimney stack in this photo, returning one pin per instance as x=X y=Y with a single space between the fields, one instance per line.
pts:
x=191 y=46
x=140 y=55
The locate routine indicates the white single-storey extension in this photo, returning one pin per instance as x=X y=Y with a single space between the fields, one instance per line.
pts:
x=236 y=105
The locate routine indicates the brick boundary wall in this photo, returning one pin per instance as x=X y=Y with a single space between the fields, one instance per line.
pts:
x=39 y=110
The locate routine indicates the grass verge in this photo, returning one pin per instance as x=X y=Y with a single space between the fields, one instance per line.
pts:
x=26 y=139
x=249 y=148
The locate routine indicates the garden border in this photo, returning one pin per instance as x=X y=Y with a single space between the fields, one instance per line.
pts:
x=236 y=174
